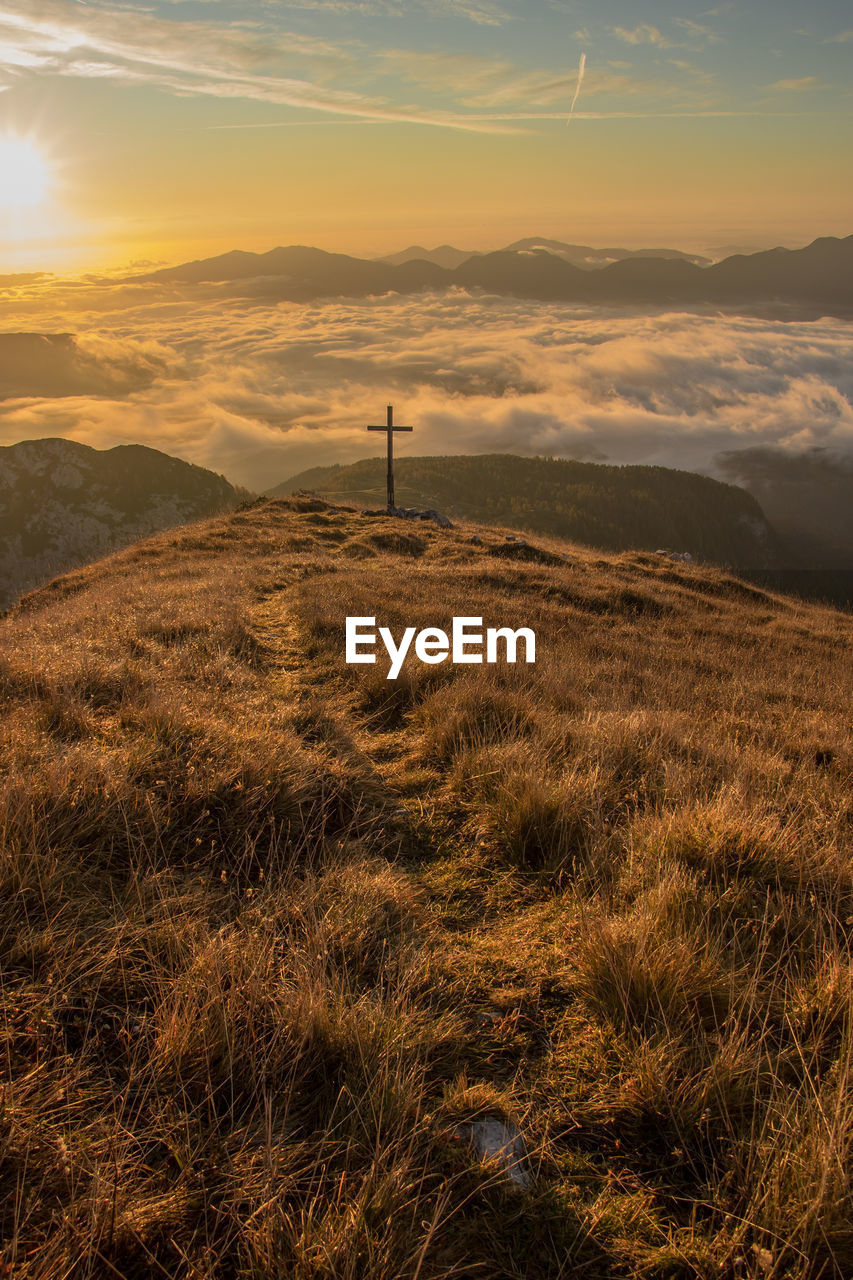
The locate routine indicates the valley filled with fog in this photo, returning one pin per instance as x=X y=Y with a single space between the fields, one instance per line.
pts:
x=259 y=389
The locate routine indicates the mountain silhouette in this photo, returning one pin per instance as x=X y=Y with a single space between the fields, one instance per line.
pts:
x=579 y=255
x=584 y=255
x=305 y=272
x=443 y=256
x=819 y=275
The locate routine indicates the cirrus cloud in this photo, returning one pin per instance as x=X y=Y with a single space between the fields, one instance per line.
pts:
x=796 y=85
x=246 y=60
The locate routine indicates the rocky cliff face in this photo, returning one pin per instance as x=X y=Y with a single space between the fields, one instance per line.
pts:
x=63 y=504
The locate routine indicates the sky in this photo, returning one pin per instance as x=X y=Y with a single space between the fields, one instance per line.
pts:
x=181 y=128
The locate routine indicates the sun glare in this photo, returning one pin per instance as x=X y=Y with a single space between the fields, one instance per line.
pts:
x=23 y=174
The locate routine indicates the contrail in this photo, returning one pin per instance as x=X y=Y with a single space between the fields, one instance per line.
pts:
x=581 y=72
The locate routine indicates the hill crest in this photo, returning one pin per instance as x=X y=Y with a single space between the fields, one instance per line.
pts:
x=616 y=508
x=279 y=937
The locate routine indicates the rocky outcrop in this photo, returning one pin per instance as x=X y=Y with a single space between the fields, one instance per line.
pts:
x=63 y=504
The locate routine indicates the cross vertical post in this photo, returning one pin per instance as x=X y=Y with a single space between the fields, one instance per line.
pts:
x=390 y=428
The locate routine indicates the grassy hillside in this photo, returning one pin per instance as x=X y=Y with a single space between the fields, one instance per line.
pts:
x=611 y=507
x=275 y=932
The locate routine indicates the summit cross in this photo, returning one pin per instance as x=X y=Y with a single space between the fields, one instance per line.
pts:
x=390 y=428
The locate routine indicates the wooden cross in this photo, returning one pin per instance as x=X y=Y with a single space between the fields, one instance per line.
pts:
x=390 y=428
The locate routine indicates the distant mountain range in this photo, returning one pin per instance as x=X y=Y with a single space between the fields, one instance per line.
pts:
x=818 y=276
x=579 y=255
x=616 y=508
x=444 y=255
x=63 y=504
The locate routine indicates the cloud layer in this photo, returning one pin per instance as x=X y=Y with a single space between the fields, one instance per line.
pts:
x=259 y=391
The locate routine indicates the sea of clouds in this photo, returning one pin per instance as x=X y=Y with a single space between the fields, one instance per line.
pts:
x=259 y=389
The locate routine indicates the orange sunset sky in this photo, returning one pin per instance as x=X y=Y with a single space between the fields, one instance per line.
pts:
x=176 y=129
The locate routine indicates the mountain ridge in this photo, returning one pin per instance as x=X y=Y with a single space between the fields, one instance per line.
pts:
x=818 y=275
x=581 y=255
x=63 y=503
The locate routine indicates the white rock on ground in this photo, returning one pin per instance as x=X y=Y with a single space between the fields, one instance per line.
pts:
x=501 y=1141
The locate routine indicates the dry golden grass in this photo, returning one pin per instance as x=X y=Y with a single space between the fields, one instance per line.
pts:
x=272 y=928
